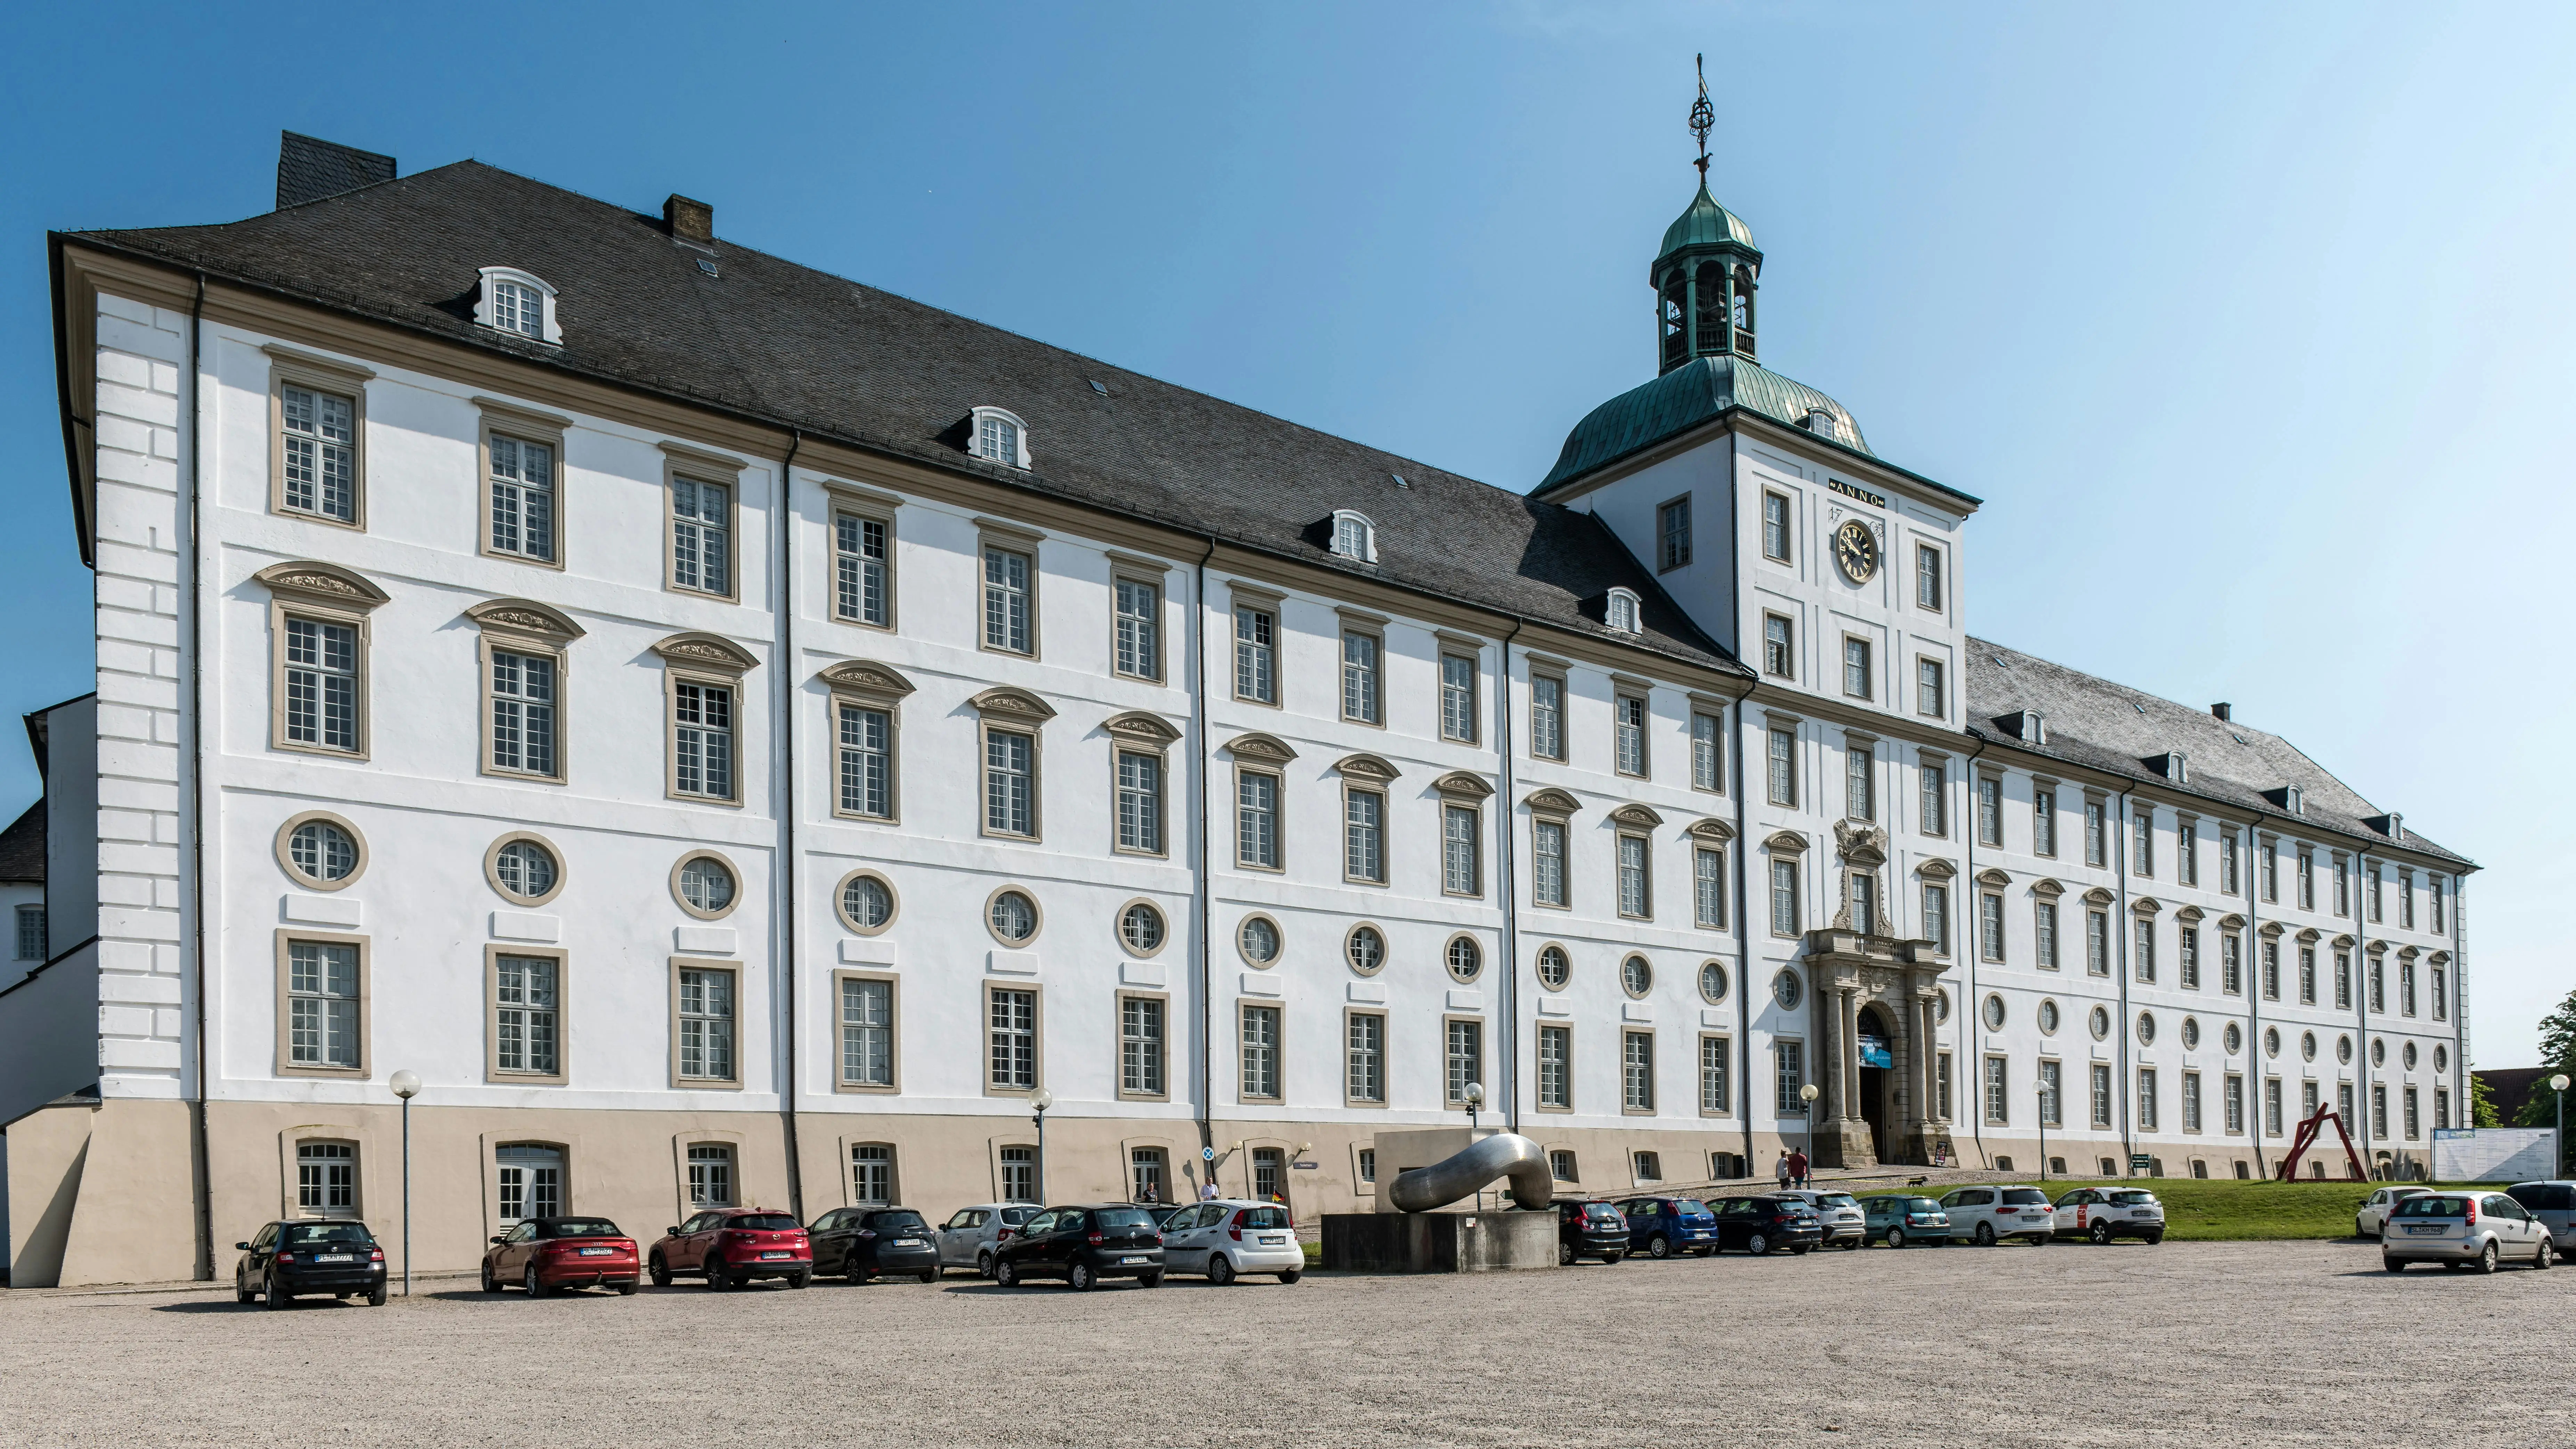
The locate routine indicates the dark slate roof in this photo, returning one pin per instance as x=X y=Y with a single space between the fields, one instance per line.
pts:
x=22 y=846
x=1684 y=398
x=794 y=347
x=2113 y=728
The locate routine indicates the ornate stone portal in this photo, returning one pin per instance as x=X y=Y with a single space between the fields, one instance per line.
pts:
x=1878 y=995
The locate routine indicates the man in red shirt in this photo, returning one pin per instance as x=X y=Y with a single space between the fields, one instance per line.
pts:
x=1797 y=1169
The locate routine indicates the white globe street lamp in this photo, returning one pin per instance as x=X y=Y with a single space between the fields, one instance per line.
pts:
x=406 y=1085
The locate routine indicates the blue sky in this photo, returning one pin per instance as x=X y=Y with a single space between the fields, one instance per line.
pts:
x=2252 y=325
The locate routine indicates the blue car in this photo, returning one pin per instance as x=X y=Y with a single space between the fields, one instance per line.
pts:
x=1662 y=1226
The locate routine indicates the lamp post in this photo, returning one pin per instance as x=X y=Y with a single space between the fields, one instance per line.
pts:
x=1808 y=1094
x=1040 y=1101
x=406 y=1085
x=1473 y=1096
x=2043 y=1122
x=2558 y=1084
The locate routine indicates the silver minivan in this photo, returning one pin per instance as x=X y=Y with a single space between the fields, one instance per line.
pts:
x=971 y=1234
x=2464 y=1230
x=2554 y=1205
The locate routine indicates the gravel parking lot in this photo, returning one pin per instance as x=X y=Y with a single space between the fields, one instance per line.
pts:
x=2205 y=1344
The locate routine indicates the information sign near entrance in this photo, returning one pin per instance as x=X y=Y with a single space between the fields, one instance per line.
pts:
x=2141 y=1162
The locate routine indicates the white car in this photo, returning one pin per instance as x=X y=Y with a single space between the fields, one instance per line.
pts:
x=1991 y=1214
x=2103 y=1213
x=2464 y=1230
x=2372 y=1220
x=971 y=1234
x=1228 y=1237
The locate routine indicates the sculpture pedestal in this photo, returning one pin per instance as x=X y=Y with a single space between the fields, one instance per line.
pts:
x=1439 y=1242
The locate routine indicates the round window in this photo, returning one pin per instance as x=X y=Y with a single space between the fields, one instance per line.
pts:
x=1636 y=977
x=1013 y=916
x=2191 y=1033
x=2234 y=1037
x=1366 y=950
x=1786 y=990
x=2343 y=1049
x=2379 y=1051
x=1140 y=927
x=706 y=885
x=1994 y=1013
x=1940 y=1006
x=2100 y=1022
x=525 y=869
x=1258 y=939
x=2047 y=1018
x=867 y=903
x=1554 y=970
x=2308 y=1045
x=1712 y=982
x=322 y=851
x=2146 y=1028
x=1465 y=957
x=2408 y=1056
x=2441 y=1059
x=2271 y=1041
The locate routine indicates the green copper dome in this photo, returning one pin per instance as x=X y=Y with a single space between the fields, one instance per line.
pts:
x=1705 y=224
x=1686 y=397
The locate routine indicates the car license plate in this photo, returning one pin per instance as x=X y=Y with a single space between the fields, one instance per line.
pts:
x=335 y=1257
x=1274 y=1240
x=907 y=1242
x=1124 y=1261
x=597 y=1252
x=2423 y=1228
x=776 y=1255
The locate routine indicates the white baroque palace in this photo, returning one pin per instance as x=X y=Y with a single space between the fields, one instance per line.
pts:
x=740 y=736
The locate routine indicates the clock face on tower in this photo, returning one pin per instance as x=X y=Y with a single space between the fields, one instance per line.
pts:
x=1856 y=551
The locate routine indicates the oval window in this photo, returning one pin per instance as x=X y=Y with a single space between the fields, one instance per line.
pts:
x=525 y=869
x=1994 y=1013
x=2101 y=1022
x=2146 y=1028
x=1140 y=926
x=867 y=902
x=2191 y=1033
x=705 y=884
x=1554 y=970
x=1465 y=958
x=2343 y=1049
x=1259 y=940
x=2441 y=1059
x=1786 y=990
x=1712 y=982
x=322 y=851
x=2048 y=1018
x=1636 y=977
x=2234 y=1037
x=2271 y=1041
x=2379 y=1051
x=1014 y=917
x=1366 y=950
x=2308 y=1045
x=2408 y=1056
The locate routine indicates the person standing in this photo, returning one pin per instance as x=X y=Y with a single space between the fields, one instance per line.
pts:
x=1798 y=1169
x=1782 y=1171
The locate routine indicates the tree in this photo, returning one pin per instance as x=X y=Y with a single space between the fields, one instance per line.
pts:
x=2557 y=1054
x=2482 y=1105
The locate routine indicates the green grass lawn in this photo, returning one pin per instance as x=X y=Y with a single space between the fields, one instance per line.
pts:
x=2225 y=1210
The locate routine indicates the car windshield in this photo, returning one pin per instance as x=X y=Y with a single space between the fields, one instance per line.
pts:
x=2544 y=1197
x=300 y=1235
x=901 y=1219
x=1014 y=1216
x=1601 y=1212
x=1689 y=1206
x=579 y=1228
x=1837 y=1200
x=1264 y=1217
x=2132 y=1198
x=2433 y=1207
x=2025 y=1195
x=1921 y=1205
x=1121 y=1218
x=763 y=1223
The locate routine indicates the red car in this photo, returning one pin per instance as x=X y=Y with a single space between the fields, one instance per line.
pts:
x=731 y=1246
x=546 y=1254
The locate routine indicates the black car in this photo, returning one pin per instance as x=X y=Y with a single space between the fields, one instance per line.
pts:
x=1767 y=1224
x=861 y=1243
x=1083 y=1245
x=1590 y=1230
x=285 y=1259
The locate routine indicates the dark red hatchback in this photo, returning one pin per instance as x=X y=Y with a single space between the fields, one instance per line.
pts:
x=731 y=1246
x=543 y=1255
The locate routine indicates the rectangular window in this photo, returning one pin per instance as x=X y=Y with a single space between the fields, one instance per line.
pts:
x=1927 y=576
x=1364 y=1057
x=523 y=498
x=2234 y=1093
x=1708 y=889
x=1364 y=836
x=701 y=529
x=1716 y=1081
x=710 y=1175
x=1637 y=1071
x=2052 y=1111
x=2097 y=942
x=859 y=566
x=1990 y=810
x=1935 y=806
x=1256 y=820
x=2095 y=847
x=1628 y=733
x=31 y=933
x=1998 y=1090
x=2414 y=1123
x=1368 y=1163
x=1556 y=1067
x=1547 y=717
x=2044 y=927
x=1936 y=917
x=1359 y=677
x=1006 y=600
x=326 y=1178
x=1458 y=698
x=1856 y=670
x=2433 y=901
x=2379 y=983
x=2144 y=950
x=1261 y=1053
x=1019 y=1174
x=2379 y=1110
x=1775 y=527
x=2187 y=849
x=322 y=1005
x=530 y=1181
x=2441 y=1109
x=1010 y=783
x=1140 y=802
x=2191 y=1101
x=2227 y=860
x=1256 y=654
x=2307 y=880
x=1708 y=753
x=1789 y=1077
x=1784 y=897
x=2231 y=964
x=2343 y=980
x=2406 y=988
x=706 y=1025
x=2405 y=898
x=2146 y=1099
x=2271 y=871
x=2100 y=1081
x=2307 y=975
x=1777 y=658
x=526 y=1027
x=1636 y=900
x=2188 y=960
x=866 y=762
x=523 y=712
x=702 y=740
x=1941 y=1083
x=1673 y=534
x=2441 y=997
x=321 y=453
x=2043 y=821
x=1466 y=1055
x=1782 y=757
x=1140 y=629
x=1860 y=797
x=871 y=1174
x=1990 y=926
x=1140 y=1046
x=1931 y=689
x=2142 y=840
x=2271 y=970
x=1860 y=892
x=867 y=1032
x=2272 y=1106
x=321 y=684
x=1011 y=1040
x=1547 y=862
x=1462 y=871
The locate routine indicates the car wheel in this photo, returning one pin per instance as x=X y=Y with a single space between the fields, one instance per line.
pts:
x=1852 y=1246
x=928 y=1275
x=1985 y=1235
x=529 y=1282
x=1220 y=1269
x=2487 y=1257
x=1006 y=1272
x=1609 y=1258
x=1896 y=1237
x=490 y=1283
x=241 y=1293
x=2392 y=1265
x=1758 y=1244
x=2101 y=1235
x=626 y=1289
x=2154 y=1238
x=799 y=1280
x=1149 y=1280
x=854 y=1270
x=716 y=1282
x=983 y=1265
x=1080 y=1278
x=278 y=1297
x=2544 y=1255
x=661 y=1272
x=1564 y=1254
x=1659 y=1246
x=1292 y=1275
x=1800 y=1250
x=376 y=1299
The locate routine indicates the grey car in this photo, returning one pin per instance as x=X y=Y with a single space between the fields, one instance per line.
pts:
x=972 y=1234
x=2552 y=1205
x=2464 y=1230
x=1838 y=1215
x=1900 y=1218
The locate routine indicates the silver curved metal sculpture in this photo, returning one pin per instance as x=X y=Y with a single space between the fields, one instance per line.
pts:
x=1505 y=1154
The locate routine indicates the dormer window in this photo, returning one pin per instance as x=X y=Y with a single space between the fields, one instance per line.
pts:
x=1622 y=612
x=999 y=437
x=1354 y=537
x=2294 y=800
x=519 y=303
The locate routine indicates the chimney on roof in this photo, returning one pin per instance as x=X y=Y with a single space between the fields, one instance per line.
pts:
x=309 y=169
x=2223 y=710
x=689 y=221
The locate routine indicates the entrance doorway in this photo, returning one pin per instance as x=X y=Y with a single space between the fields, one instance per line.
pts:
x=1877 y=1065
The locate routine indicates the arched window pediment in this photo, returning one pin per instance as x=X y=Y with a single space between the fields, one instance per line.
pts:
x=1637 y=815
x=2189 y=915
x=322 y=583
x=1785 y=842
x=2100 y=897
x=1365 y=767
x=2145 y=906
x=1712 y=828
x=707 y=651
x=1936 y=869
x=524 y=616
x=1142 y=727
x=865 y=677
x=1008 y=702
x=1257 y=746
x=2047 y=889
x=1993 y=877
x=1463 y=784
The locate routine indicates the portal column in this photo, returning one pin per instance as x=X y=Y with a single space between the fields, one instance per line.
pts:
x=1851 y=1054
